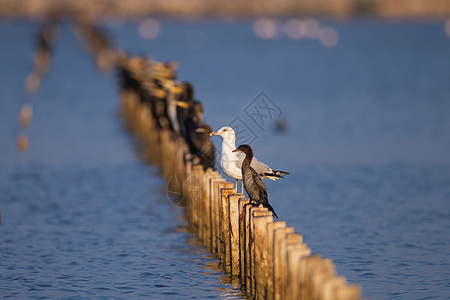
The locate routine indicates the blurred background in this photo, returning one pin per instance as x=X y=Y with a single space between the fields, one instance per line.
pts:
x=362 y=123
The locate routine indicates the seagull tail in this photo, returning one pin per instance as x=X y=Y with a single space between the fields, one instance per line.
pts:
x=272 y=210
x=276 y=172
x=271 y=176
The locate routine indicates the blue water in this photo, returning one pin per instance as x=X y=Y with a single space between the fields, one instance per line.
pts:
x=367 y=145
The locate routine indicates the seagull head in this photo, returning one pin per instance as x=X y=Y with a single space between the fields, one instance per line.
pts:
x=226 y=132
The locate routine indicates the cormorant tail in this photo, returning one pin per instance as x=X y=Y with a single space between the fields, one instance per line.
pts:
x=271 y=209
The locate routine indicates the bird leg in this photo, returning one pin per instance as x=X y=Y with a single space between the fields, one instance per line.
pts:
x=242 y=187
x=236 y=185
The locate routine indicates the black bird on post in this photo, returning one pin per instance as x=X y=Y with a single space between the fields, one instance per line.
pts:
x=253 y=184
x=204 y=147
x=197 y=135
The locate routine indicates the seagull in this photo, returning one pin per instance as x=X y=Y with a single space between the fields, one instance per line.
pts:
x=253 y=183
x=231 y=162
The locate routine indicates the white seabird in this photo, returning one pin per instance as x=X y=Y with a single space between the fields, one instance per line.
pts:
x=231 y=162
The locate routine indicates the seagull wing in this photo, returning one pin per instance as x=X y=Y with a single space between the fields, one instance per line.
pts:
x=259 y=167
x=239 y=159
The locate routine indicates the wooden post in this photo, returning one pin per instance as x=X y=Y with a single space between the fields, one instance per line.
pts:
x=307 y=266
x=271 y=227
x=247 y=241
x=200 y=206
x=215 y=204
x=209 y=212
x=279 y=235
x=234 y=233
x=204 y=212
x=243 y=205
x=196 y=188
x=349 y=292
x=254 y=213
x=323 y=271
x=291 y=239
x=295 y=253
x=260 y=222
x=330 y=287
x=186 y=192
x=226 y=189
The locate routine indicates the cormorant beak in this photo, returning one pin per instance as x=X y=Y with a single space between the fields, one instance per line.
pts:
x=200 y=130
x=236 y=150
x=182 y=104
x=176 y=90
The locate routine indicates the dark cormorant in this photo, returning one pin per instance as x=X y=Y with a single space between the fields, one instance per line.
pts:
x=204 y=147
x=196 y=133
x=184 y=102
x=253 y=183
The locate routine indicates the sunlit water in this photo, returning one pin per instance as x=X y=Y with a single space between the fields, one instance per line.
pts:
x=367 y=145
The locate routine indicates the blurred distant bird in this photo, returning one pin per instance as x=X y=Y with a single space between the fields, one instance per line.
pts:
x=253 y=183
x=282 y=124
x=204 y=147
x=231 y=162
x=197 y=133
x=186 y=99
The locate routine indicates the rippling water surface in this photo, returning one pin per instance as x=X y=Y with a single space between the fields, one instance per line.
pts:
x=367 y=145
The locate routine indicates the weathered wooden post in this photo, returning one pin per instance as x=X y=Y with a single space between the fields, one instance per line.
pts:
x=204 y=208
x=163 y=151
x=243 y=205
x=172 y=171
x=323 y=271
x=290 y=239
x=307 y=266
x=254 y=213
x=349 y=292
x=197 y=174
x=226 y=189
x=330 y=287
x=215 y=205
x=271 y=227
x=279 y=235
x=247 y=241
x=260 y=221
x=234 y=233
x=186 y=191
x=295 y=252
x=209 y=212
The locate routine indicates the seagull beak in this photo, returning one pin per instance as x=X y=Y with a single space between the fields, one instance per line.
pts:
x=213 y=133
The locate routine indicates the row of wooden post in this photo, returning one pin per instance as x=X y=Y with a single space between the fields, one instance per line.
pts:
x=270 y=260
